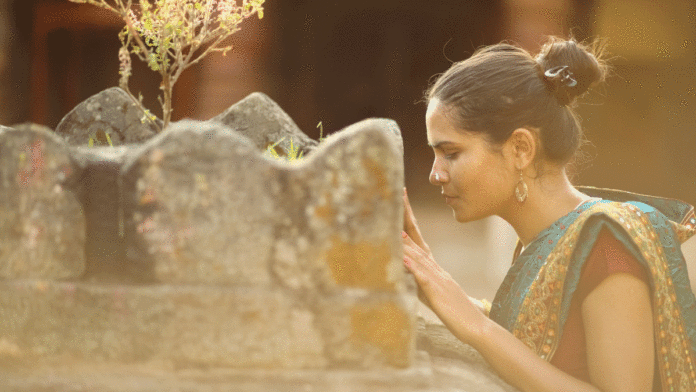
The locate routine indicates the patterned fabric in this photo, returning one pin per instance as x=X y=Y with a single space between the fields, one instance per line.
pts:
x=534 y=299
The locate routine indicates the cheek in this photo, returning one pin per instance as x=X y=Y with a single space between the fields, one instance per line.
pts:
x=491 y=177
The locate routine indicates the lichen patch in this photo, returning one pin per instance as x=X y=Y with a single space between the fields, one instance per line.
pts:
x=386 y=326
x=360 y=264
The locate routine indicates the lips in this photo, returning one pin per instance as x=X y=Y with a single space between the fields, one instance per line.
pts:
x=448 y=198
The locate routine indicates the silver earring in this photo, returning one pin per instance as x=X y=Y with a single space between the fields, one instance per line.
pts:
x=521 y=190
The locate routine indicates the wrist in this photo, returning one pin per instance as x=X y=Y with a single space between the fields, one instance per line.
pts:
x=468 y=324
x=482 y=331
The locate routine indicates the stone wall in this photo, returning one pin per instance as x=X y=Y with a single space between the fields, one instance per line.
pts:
x=194 y=261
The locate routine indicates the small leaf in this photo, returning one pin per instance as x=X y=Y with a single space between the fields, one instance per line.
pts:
x=321 y=131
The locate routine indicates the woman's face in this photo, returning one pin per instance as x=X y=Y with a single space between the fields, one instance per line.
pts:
x=477 y=181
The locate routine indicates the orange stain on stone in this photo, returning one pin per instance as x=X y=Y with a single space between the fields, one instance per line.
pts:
x=147 y=197
x=385 y=326
x=377 y=172
x=360 y=264
x=326 y=210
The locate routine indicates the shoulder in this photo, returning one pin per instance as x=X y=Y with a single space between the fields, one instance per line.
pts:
x=620 y=211
x=608 y=256
x=630 y=222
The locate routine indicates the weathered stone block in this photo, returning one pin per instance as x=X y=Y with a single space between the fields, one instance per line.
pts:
x=111 y=112
x=198 y=206
x=99 y=195
x=364 y=330
x=29 y=126
x=187 y=326
x=346 y=233
x=265 y=123
x=42 y=225
x=202 y=205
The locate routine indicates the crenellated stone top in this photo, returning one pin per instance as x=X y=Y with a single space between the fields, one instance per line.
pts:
x=194 y=251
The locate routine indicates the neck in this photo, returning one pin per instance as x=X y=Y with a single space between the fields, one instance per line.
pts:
x=549 y=199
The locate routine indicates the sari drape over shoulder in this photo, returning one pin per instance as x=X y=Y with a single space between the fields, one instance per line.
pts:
x=535 y=296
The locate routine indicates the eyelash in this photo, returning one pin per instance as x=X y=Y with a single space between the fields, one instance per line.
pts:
x=451 y=156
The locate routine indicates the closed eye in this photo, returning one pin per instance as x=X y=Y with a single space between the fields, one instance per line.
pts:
x=451 y=155
x=448 y=150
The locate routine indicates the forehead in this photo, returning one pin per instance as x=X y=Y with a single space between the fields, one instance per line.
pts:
x=441 y=127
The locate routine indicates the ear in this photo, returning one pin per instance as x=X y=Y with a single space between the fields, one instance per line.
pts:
x=522 y=146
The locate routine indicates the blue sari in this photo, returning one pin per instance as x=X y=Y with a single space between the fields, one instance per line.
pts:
x=534 y=298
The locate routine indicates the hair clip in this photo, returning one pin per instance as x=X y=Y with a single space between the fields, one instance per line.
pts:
x=561 y=75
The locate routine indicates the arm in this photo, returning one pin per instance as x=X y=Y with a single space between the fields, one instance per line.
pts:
x=618 y=325
x=617 y=316
x=609 y=339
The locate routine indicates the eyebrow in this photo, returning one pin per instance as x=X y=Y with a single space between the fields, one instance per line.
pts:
x=442 y=144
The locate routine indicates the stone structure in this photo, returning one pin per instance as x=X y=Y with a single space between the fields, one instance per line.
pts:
x=264 y=122
x=112 y=112
x=442 y=364
x=41 y=223
x=200 y=264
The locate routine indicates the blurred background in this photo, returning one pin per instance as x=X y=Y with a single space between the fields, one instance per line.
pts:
x=338 y=62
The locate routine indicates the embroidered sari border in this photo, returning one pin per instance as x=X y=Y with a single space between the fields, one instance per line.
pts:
x=534 y=299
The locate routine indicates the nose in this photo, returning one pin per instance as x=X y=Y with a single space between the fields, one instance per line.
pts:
x=438 y=176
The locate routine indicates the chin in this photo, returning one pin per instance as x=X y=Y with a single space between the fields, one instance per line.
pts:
x=459 y=217
x=464 y=218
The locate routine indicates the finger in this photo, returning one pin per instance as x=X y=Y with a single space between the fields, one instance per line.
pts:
x=408 y=263
x=410 y=245
x=419 y=257
x=414 y=268
x=410 y=224
x=409 y=218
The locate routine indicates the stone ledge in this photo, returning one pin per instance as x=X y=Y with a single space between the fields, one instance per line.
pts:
x=207 y=326
x=239 y=327
x=427 y=374
x=106 y=377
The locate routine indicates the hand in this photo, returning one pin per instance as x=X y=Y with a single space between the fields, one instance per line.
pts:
x=436 y=288
x=412 y=230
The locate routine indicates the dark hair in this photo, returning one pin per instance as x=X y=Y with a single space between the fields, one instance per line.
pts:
x=502 y=87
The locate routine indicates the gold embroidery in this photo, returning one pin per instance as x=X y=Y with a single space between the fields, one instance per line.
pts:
x=538 y=320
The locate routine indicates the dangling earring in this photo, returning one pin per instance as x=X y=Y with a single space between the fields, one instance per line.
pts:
x=521 y=190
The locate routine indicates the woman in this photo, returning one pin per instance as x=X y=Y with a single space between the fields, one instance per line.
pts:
x=597 y=298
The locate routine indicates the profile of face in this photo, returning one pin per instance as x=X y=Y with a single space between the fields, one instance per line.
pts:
x=477 y=178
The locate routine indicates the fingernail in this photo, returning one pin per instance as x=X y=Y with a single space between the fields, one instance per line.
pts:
x=403 y=234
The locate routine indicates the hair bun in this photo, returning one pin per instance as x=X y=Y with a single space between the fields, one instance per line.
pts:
x=570 y=68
